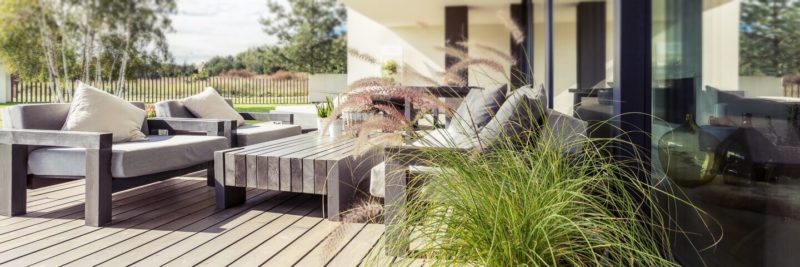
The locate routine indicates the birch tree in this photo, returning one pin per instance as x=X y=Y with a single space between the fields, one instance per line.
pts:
x=63 y=40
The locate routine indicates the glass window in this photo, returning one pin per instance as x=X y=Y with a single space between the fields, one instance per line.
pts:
x=726 y=106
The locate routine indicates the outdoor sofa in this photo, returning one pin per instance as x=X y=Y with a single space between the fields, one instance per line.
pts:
x=33 y=146
x=242 y=135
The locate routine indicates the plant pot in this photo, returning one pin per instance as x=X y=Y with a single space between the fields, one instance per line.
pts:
x=336 y=128
x=320 y=125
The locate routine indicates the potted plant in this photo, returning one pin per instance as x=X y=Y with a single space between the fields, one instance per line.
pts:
x=390 y=69
x=324 y=112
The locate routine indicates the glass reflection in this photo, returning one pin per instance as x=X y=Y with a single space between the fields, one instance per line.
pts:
x=726 y=105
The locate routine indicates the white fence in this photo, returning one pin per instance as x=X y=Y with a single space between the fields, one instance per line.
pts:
x=324 y=85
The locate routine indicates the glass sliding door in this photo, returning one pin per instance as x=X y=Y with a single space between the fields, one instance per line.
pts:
x=726 y=127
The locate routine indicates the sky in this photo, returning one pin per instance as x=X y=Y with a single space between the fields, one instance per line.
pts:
x=207 y=28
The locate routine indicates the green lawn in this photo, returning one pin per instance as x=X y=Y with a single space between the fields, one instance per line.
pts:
x=254 y=108
x=240 y=108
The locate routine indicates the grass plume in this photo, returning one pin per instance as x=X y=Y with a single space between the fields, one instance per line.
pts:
x=516 y=31
x=541 y=201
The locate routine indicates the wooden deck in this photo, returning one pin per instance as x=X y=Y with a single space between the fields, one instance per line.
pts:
x=175 y=223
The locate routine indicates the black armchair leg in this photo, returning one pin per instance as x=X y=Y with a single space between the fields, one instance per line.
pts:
x=210 y=174
x=13 y=179
x=98 y=187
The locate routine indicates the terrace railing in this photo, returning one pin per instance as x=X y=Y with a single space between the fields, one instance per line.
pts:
x=241 y=90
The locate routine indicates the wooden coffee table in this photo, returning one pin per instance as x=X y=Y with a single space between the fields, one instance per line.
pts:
x=307 y=163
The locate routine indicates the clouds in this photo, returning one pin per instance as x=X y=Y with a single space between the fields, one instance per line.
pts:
x=207 y=28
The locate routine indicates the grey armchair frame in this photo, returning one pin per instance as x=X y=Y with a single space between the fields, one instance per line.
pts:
x=398 y=181
x=231 y=133
x=14 y=149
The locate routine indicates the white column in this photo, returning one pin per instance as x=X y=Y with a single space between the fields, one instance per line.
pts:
x=5 y=85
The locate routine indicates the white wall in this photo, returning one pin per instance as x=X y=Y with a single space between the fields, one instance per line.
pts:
x=755 y=86
x=565 y=47
x=721 y=43
x=5 y=85
x=497 y=37
x=413 y=47
x=321 y=86
x=418 y=48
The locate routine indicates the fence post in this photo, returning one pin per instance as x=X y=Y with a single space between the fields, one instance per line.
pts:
x=5 y=85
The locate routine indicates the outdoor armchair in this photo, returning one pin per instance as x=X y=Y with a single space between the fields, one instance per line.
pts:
x=243 y=135
x=33 y=146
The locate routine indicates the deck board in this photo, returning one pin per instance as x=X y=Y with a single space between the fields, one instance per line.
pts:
x=175 y=223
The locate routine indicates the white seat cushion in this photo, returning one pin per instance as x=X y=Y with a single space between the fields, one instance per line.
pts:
x=157 y=154
x=93 y=110
x=210 y=105
x=265 y=132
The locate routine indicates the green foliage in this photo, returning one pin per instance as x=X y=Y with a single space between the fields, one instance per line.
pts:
x=20 y=46
x=92 y=34
x=217 y=65
x=311 y=35
x=324 y=110
x=769 y=37
x=389 y=68
x=548 y=202
x=201 y=75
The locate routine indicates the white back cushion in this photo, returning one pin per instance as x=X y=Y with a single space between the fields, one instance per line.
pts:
x=523 y=111
x=93 y=110
x=210 y=105
x=477 y=109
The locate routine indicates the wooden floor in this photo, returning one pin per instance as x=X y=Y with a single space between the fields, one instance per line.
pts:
x=175 y=223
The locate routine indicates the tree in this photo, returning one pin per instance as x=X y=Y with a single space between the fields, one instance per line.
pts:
x=20 y=46
x=61 y=40
x=217 y=65
x=770 y=37
x=311 y=35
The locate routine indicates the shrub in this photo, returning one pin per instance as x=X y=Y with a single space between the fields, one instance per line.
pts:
x=282 y=75
x=238 y=73
x=548 y=202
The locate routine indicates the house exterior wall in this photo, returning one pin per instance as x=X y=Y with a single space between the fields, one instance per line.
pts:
x=411 y=47
x=565 y=47
x=416 y=46
x=721 y=43
x=497 y=37
x=755 y=86
x=321 y=86
x=417 y=49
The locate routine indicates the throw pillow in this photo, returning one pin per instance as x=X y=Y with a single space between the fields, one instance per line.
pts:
x=210 y=105
x=477 y=109
x=93 y=110
x=521 y=113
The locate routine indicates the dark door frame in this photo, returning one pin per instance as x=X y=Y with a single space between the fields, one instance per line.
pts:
x=633 y=80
